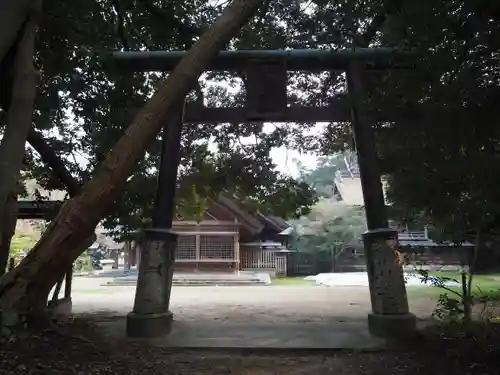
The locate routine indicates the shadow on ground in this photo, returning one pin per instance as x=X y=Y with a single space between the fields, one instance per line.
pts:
x=78 y=347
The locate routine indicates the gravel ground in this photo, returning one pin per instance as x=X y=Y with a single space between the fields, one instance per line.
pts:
x=77 y=346
x=257 y=304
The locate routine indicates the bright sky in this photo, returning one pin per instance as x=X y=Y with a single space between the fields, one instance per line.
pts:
x=285 y=159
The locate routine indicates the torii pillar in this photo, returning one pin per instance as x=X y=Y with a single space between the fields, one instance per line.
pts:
x=151 y=316
x=390 y=317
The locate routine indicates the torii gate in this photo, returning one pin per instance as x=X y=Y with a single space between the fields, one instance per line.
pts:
x=266 y=86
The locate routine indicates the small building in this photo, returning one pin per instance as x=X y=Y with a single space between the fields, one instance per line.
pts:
x=228 y=239
x=260 y=252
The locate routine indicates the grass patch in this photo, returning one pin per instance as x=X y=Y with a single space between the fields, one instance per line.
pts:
x=487 y=285
x=295 y=281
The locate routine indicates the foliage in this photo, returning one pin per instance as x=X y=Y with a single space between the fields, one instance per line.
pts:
x=192 y=208
x=83 y=263
x=321 y=178
x=455 y=304
x=441 y=151
x=80 y=106
x=21 y=242
x=441 y=130
x=330 y=227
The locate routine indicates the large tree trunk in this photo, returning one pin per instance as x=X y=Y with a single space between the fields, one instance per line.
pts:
x=18 y=125
x=12 y=17
x=60 y=244
x=72 y=185
x=9 y=227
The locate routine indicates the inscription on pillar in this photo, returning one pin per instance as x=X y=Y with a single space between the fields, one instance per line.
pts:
x=151 y=281
x=387 y=279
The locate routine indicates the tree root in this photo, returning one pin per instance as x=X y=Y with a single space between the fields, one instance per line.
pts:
x=46 y=320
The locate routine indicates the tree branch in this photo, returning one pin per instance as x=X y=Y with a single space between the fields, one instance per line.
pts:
x=167 y=17
x=137 y=33
x=389 y=7
x=120 y=25
x=12 y=18
x=123 y=19
x=54 y=162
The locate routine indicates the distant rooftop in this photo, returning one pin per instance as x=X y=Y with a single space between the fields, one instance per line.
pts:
x=347 y=183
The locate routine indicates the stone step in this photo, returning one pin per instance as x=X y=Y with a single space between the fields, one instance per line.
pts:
x=195 y=282
x=217 y=282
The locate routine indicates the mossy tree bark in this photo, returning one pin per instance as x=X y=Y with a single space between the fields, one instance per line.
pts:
x=60 y=245
x=18 y=125
x=13 y=16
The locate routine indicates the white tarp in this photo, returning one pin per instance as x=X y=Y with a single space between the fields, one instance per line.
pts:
x=361 y=279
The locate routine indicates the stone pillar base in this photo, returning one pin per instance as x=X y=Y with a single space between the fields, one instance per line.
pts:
x=392 y=326
x=149 y=325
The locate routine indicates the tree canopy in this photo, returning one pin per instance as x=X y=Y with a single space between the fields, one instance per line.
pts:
x=80 y=107
x=438 y=153
x=330 y=226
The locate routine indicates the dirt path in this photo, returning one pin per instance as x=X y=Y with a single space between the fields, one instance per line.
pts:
x=259 y=304
x=82 y=350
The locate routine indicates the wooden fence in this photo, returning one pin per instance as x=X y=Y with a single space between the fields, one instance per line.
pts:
x=306 y=264
x=262 y=259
